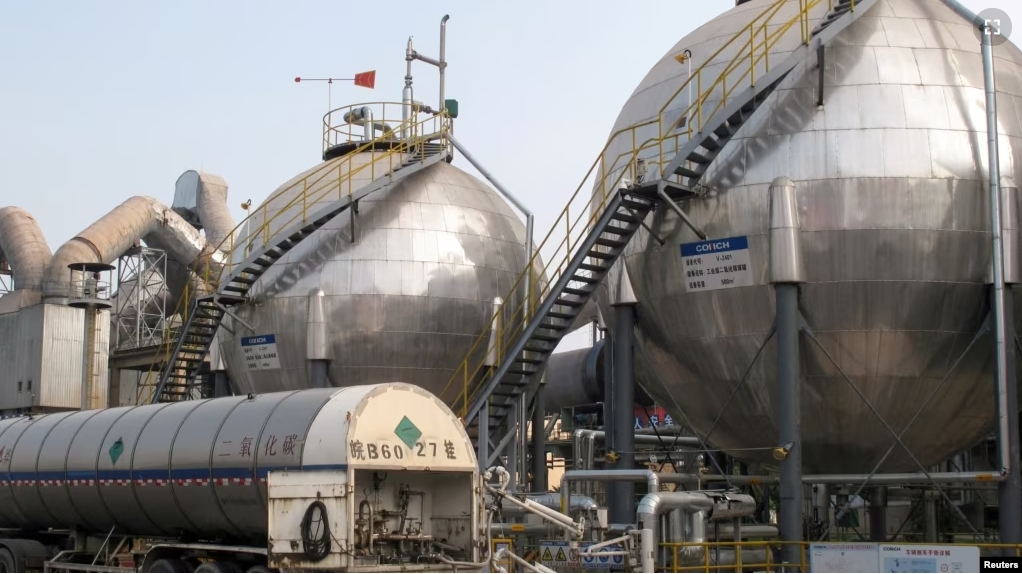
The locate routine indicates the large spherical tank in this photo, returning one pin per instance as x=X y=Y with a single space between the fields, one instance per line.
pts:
x=405 y=300
x=890 y=179
x=198 y=467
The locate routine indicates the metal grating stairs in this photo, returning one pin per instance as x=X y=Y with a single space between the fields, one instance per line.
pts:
x=517 y=375
x=695 y=157
x=205 y=314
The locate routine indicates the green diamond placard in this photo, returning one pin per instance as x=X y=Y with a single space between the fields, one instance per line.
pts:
x=115 y=450
x=407 y=432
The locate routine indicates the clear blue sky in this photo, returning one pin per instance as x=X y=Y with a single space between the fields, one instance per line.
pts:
x=100 y=101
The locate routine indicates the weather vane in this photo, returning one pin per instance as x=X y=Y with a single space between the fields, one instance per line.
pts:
x=362 y=79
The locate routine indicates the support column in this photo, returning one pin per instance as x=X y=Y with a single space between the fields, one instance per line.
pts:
x=539 y=474
x=317 y=347
x=623 y=509
x=221 y=385
x=786 y=272
x=821 y=507
x=1009 y=491
x=878 y=515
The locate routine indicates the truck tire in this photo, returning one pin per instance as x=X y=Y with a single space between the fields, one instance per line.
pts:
x=259 y=569
x=7 y=563
x=169 y=565
x=218 y=566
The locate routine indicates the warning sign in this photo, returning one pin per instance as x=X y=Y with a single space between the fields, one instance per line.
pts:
x=554 y=554
x=557 y=554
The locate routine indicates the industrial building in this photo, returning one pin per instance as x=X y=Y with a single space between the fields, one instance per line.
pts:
x=795 y=255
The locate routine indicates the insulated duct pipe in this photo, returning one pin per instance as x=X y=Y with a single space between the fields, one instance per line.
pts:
x=105 y=240
x=576 y=378
x=652 y=481
x=24 y=248
x=364 y=117
x=214 y=214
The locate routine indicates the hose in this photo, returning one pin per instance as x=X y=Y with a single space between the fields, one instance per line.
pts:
x=316 y=549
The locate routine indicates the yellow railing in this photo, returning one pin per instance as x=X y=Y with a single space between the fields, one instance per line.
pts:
x=766 y=555
x=329 y=182
x=387 y=124
x=655 y=142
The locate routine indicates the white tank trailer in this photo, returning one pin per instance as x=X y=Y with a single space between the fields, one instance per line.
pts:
x=890 y=174
x=370 y=478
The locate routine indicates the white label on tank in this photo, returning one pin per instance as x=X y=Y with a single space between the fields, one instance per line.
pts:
x=260 y=352
x=716 y=264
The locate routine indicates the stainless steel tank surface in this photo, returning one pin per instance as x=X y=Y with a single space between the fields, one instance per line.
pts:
x=405 y=301
x=890 y=175
x=197 y=467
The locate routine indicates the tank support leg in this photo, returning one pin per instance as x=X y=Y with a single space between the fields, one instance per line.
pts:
x=621 y=495
x=539 y=477
x=483 y=439
x=878 y=514
x=789 y=419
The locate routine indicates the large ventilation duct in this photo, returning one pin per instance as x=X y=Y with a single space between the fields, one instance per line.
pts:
x=201 y=199
x=138 y=217
x=575 y=378
x=23 y=247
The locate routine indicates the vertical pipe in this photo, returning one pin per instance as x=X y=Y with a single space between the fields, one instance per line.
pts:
x=483 y=438
x=539 y=473
x=878 y=515
x=316 y=343
x=624 y=419
x=1009 y=491
x=786 y=272
x=443 y=58
x=406 y=93
x=511 y=425
x=1010 y=527
x=931 y=517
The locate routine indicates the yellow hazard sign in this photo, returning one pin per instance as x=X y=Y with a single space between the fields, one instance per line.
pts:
x=560 y=555
x=547 y=556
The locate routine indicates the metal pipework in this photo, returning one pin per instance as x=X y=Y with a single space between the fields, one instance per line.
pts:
x=539 y=470
x=651 y=478
x=317 y=346
x=23 y=246
x=876 y=479
x=1001 y=352
x=573 y=529
x=529 y=244
x=443 y=59
x=363 y=116
x=696 y=506
x=406 y=93
x=105 y=240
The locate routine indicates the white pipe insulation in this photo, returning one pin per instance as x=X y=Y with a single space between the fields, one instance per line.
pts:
x=24 y=248
x=211 y=207
x=105 y=240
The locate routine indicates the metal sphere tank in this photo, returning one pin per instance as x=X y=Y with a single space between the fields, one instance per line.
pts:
x=405 y=301
x=890 y=176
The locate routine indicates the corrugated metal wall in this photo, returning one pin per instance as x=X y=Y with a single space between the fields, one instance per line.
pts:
x=21 y=342
x=63 y=336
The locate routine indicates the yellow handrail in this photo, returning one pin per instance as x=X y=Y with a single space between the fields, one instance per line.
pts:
x=209 y=270
x=657 y=149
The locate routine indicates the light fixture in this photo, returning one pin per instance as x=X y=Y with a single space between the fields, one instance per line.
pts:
x=246 y=205
x=781 y=452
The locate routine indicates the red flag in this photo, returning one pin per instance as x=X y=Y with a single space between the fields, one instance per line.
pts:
x=366 y=79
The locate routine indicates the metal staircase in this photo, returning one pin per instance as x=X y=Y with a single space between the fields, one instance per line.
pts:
x=501 y=373
x=206 y=312
x=696 y=155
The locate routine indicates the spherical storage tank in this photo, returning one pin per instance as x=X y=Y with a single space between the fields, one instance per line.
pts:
x=405 y=300
x=890 y=176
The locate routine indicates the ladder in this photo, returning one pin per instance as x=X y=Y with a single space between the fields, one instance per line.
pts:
x=489 y=393
x=206 y=312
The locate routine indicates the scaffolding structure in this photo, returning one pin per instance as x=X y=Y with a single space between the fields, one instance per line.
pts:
x=140 y=311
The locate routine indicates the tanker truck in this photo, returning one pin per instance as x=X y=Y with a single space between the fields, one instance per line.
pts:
x=368 y=478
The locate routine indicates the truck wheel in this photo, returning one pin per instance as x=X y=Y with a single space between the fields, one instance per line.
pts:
x=259 y=569
x=169 y=565
x=7 y=561
x=218 y=566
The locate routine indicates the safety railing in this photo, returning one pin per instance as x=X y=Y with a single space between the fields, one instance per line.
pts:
x=768 y=555
x=654 y=142
x=379 y=121
x=332 y=180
